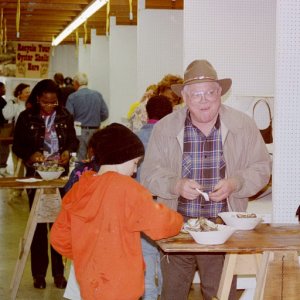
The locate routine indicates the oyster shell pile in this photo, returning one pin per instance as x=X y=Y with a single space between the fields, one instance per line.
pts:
x=48 y=167
x=252 y=215
x=201 y=224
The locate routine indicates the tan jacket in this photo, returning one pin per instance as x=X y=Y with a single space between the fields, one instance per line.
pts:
x=246 y=156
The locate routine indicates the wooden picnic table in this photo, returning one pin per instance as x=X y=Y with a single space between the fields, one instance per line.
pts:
x=270 y=252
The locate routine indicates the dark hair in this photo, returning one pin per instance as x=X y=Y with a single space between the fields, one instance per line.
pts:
x=43 y=86
x=2 y=84
x=59 y=78
x=158 y=106
x=68 y=81
x=19 y=88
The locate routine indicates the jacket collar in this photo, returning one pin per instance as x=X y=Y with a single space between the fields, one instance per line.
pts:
x=228 y=124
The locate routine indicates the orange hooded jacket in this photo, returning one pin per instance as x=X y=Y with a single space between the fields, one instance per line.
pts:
x=99 y=228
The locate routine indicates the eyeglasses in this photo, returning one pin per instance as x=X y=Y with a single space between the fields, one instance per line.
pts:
x=210 y=95
x=48 y=105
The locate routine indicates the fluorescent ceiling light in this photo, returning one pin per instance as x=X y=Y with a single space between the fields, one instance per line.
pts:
x=86 y=13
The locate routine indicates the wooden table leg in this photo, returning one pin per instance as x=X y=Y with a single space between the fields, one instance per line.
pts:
x=25 y=244
x=45 y=207
x=236 y=264
x=227 y=275
x=261 y=276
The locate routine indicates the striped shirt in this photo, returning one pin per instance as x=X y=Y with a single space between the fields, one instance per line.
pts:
x=202 y=161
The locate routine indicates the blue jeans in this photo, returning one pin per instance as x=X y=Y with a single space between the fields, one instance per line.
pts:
x=84 y=138
x=153 y=271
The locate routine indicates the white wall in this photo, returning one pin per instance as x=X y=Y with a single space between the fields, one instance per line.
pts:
x=99 y=66
x=237 y=37
x=63 y=59
x=286 y=166
x=83 y=54
x=122 y=69
x=160 y=48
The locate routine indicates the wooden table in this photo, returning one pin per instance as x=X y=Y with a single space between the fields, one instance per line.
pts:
x=270 y=252
x=45 y=207
x=8 y=140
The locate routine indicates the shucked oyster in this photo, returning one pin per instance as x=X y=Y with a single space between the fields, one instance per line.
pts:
x=201 y=224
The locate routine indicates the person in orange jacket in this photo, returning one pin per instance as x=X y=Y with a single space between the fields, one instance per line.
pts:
x=103 y=216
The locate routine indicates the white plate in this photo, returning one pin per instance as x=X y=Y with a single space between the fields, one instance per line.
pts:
x=218 y=237
x=231 y=219
x=29 y=180
x=50 y=175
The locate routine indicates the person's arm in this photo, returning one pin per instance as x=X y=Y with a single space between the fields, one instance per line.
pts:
x=2 y=105
x=69 y=105
x=154 y=219
x=160 y=170
x=104 y=110
x=9 y=110
x=21 y=146
x=298 y=213
x=72 y=143
x=251 y=168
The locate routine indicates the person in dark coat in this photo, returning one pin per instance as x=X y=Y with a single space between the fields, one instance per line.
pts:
x=44 y=132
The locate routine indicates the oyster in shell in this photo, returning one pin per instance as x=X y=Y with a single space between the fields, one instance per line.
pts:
x=201 y=224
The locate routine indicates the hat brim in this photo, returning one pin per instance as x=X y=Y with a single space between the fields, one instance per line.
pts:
x=224 y=83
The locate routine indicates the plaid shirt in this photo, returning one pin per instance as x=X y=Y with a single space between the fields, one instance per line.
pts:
x=202 y=161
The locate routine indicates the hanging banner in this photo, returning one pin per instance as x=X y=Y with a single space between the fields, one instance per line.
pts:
x=32 y=59
x=8 y=60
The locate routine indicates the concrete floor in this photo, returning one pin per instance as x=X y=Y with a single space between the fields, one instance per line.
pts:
x=13 y=218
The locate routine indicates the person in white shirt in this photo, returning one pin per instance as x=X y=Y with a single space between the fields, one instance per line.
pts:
x=11 y=113
x=15 y=106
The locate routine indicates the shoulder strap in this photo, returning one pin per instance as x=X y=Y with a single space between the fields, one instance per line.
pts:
x=266 y=103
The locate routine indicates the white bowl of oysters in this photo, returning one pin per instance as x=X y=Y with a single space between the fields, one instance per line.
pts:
x=241 y=220
x=206 y=232
x=49 y=171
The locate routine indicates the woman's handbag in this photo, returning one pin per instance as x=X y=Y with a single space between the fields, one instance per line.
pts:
x=267 y=132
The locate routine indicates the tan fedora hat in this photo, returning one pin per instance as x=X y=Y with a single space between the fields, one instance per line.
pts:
x=201 y=71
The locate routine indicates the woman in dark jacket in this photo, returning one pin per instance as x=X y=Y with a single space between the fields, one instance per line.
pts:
x=44 y=131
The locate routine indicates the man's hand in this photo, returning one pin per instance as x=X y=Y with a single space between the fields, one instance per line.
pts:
x=187 y=188
x=223 y=189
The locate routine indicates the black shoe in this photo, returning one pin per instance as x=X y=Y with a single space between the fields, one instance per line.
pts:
x=60 y=281
x=39 y=282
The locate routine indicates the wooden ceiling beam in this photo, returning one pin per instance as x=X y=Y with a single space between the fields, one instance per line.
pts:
x=31 y=7
x=43 y=19
x=82 y=2
x=164 y=4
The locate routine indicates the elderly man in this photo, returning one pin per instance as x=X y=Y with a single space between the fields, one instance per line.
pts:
x=88 y=109
x=206 y=146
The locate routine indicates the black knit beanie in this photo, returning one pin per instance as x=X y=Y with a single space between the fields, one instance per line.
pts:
x=116 y=144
